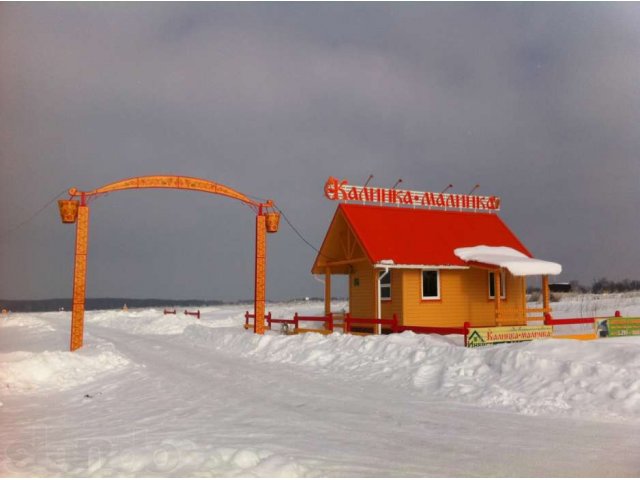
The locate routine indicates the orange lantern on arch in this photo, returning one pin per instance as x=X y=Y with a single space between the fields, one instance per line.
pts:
x=68 y=210
x=272 y=221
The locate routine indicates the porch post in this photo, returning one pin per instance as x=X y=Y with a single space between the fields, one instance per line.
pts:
x=327 y=290
x=545 y=293
x=523 y=303
x=497 y=294
x=376 y=299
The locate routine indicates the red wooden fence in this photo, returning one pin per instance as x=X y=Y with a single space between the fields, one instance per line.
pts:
x=567 y=321
x=269 y=318
x=327 y=320
x=436 y=330
x=349 y=321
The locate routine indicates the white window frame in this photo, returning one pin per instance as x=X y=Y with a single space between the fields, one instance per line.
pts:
x=503 y=285
x=381 y=285
x=422 y=283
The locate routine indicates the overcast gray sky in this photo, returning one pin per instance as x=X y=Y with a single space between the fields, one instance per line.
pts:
x=538 y=103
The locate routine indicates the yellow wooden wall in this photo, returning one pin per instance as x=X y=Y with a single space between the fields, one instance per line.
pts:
x=362 y=297
x=464 y=297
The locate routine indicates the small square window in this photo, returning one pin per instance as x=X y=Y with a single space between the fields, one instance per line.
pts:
x=431 y=284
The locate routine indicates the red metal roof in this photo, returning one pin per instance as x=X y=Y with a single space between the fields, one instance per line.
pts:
x=424 y=237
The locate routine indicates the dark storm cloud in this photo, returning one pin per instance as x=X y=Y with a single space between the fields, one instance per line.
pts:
x=538 y=103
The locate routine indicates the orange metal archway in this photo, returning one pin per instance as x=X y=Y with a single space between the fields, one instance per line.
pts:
x=76 y=210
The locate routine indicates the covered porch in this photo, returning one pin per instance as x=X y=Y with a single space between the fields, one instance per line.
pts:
x=500 y=259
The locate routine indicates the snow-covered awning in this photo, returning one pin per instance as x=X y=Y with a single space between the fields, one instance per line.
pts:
x=514 y=261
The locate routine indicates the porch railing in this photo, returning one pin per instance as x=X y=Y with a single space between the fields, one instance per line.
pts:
x=509 y=316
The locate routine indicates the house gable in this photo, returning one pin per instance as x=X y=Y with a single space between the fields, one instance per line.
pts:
x=340 y=247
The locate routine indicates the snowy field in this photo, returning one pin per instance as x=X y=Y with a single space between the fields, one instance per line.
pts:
x=156 y=395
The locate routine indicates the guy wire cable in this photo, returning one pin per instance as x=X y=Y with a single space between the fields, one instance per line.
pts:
x=10 y=230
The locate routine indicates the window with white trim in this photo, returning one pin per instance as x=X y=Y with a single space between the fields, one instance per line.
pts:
x=430 y=284
x=385 y=285
x=492 y=285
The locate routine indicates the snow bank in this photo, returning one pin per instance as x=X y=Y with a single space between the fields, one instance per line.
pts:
x=177 y=457
x=207 y=398
x=514 y=261
x=22 y=372
x=143 y=322
x=553 y=377
x=26 y=322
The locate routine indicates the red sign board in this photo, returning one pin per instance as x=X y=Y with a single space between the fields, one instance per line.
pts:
x=340 y=190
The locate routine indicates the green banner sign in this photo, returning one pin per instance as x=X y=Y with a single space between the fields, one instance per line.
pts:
x=619 y=327
x=478 y=337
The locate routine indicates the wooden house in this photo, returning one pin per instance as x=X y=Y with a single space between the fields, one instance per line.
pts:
x=430 y=267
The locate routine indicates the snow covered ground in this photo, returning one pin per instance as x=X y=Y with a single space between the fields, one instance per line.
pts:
x=156 y=395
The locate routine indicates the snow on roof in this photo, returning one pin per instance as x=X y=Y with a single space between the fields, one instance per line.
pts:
x=514 y=261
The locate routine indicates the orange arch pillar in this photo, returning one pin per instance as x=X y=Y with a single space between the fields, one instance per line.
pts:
x=260 y=273
x=80 y=276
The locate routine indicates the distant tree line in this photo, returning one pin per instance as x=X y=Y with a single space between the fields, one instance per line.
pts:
x=601 y=285
x=54 y=304
x=604 y=285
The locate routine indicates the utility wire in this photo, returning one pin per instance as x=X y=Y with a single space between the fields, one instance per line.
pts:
x=300 y=235
x=297 y=232
x=7 y=232
x=295 y=229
